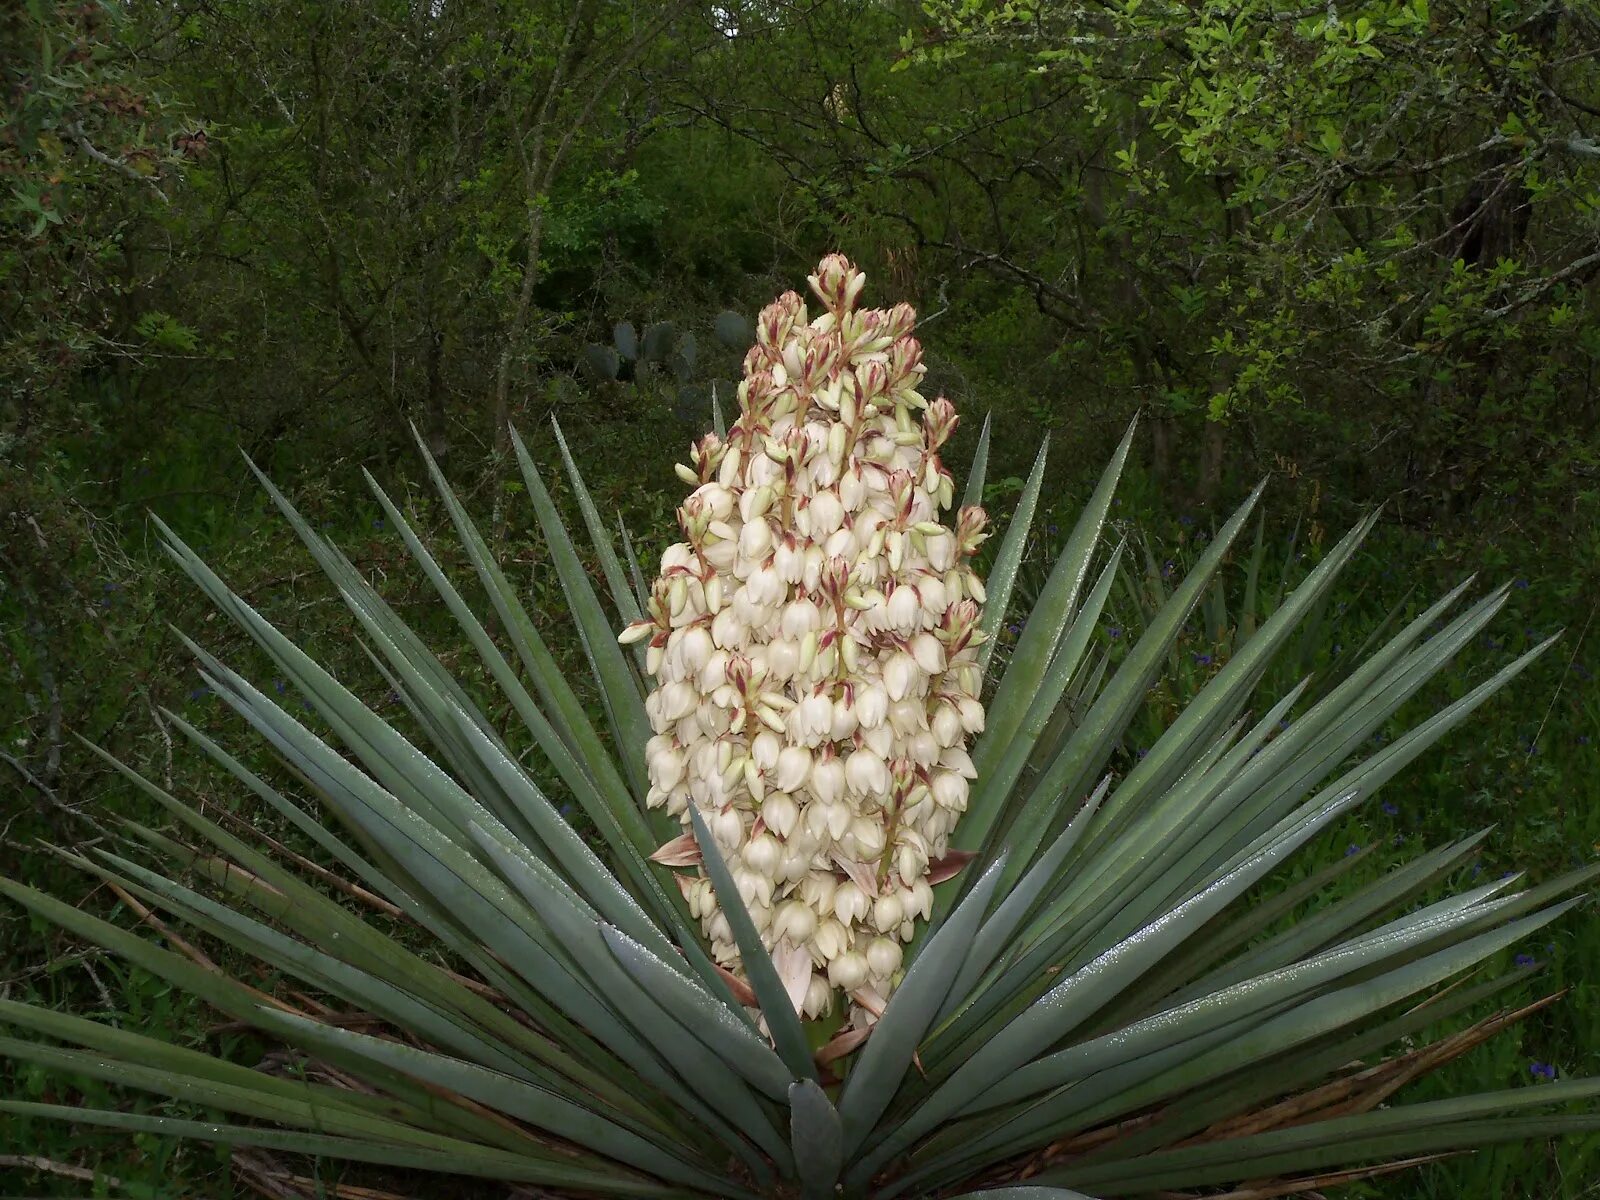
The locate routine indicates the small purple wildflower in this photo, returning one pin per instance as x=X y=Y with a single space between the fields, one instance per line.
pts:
x=1521 y=583
x=1541 y=1070
x=1352 y=848
x=1525 y=960
x=1203 y=659
x=199 y=693
x=1390 y=808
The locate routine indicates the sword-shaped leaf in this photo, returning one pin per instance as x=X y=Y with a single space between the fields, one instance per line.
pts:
x=782 y=1022
x=1003 y=575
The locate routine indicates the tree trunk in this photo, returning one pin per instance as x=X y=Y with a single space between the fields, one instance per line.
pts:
x=1213 y=449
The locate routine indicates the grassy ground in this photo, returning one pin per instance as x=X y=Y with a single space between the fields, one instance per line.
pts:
x=1529 y=764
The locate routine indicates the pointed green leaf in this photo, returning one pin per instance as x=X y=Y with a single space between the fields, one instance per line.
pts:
x=1003 y=575
x=815 y=1133
x=782 y=1022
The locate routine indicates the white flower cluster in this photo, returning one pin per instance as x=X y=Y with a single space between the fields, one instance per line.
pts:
x=814 y=640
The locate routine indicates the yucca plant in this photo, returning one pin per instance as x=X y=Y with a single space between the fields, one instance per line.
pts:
x=801 y=956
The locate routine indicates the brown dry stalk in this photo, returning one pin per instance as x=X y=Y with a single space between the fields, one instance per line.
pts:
x=349 y=888
x=1308 y=1186
x=194 y=954
x=1359 y=1092
x=49 y=1166
x=1366 y=1089
x=266 y=1176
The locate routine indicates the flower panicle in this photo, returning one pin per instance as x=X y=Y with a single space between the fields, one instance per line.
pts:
x=813 y=642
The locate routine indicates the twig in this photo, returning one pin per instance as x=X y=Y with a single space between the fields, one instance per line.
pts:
x=1562 y=682
x=116 y=164
x=36 y=1162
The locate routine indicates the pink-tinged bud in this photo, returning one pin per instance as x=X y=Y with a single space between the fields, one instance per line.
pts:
x=899 y=320
x=821 y=360
x=971 y=524
x=872 y=381
x=939 y=421
x=837 y=284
